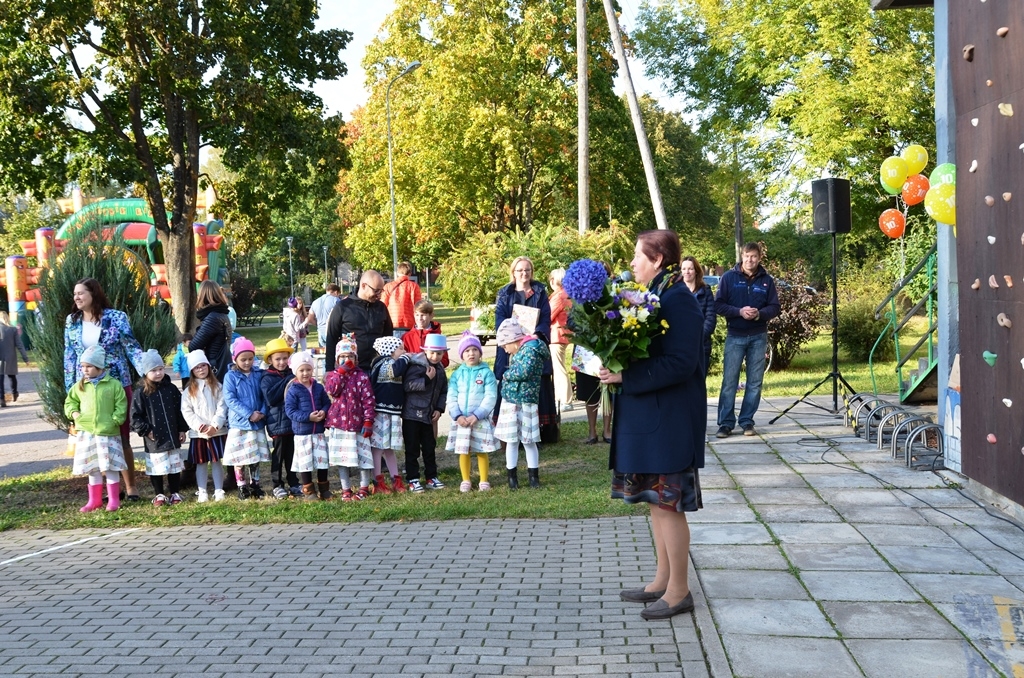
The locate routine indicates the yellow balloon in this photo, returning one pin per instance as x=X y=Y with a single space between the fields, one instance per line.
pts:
x=894 y=172
x=916 y=158
x=940 y=203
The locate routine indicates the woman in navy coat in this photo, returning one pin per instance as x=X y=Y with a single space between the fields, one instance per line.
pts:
x=693 y=276
x=659 y=425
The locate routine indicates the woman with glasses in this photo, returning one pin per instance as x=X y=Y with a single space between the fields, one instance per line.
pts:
x=525 y=291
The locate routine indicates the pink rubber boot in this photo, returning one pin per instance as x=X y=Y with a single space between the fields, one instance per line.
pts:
x=95 y=499
x=113 y=496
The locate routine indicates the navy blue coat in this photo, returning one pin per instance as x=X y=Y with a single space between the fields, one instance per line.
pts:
x=706 y=302
x=299 y=403
x=736 y=290
x=661 y=412
x=273 y=384
x=509 y=297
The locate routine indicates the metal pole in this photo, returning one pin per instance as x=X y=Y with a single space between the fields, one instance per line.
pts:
x=327 y=274
x=391 y=170
x=582 y=119
x=638 y=123
x=291 y=282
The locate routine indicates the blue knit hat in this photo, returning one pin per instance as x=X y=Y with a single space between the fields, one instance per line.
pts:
x=95 y=356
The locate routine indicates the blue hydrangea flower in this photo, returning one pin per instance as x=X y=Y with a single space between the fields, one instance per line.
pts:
x=584 y=280
x=611 y=315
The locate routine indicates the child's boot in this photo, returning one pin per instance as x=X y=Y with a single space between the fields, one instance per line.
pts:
x=309 y=492
x=325 y=489
x=255 y=491
x=513 y=479
x=534 y=474
x=399 y=485
x=113 y=496
x=95 y=499
x=379 y=486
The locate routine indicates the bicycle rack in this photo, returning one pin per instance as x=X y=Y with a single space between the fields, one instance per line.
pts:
x=879 y=412
x=850 y=403
x=891 y=419
x=903 y=428
x=920 y=431
x=866 y=403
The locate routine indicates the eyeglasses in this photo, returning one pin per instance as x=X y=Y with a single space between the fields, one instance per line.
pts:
x=524 y=270
x=373 y=289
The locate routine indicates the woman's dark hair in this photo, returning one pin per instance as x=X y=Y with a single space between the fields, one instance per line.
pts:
x=698 y=280
x=663 y=243
x=210 y=294
x=100 y=302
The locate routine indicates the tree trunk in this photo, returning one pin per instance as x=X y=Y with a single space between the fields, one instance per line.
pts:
x=179 y=256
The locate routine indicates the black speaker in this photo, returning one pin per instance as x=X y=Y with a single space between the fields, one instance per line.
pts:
x=830 y=200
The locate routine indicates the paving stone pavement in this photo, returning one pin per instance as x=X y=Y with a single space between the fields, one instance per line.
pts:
x=815 y=555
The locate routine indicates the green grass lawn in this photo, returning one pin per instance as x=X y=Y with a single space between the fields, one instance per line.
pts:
x=575 y=480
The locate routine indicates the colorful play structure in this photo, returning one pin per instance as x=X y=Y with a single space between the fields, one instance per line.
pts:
x=129 y=218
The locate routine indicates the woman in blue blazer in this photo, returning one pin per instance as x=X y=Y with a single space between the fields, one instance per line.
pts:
x=659 y=425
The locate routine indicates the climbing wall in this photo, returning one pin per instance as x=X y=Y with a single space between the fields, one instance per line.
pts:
x=988 y=86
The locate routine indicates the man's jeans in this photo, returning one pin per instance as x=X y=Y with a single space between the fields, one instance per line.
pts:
x=737 y=349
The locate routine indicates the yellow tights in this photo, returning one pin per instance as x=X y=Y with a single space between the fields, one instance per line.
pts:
x=483 y=462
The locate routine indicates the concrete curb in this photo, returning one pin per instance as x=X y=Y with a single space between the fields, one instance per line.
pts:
x=711 y=642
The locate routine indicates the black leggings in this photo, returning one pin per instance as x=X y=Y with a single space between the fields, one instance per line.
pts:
x=173 y=483
x=307 y=476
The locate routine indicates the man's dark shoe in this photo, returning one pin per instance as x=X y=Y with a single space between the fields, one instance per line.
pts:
x=748 y=430
x=723 y=432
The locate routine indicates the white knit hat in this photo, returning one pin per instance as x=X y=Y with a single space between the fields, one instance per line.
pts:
x=196 y=358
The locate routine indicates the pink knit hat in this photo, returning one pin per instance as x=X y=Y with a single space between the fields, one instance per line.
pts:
x=241 y=345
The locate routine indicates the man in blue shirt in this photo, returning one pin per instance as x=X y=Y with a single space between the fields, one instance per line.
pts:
x=320 y=311
x=747 y=300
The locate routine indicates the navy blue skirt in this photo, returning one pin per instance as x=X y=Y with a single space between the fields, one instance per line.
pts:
x=669 y=491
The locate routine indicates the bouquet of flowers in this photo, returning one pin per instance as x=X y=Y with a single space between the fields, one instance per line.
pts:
x=614 y=319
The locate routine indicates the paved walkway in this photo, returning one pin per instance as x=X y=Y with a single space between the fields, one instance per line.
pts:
x=806 y=565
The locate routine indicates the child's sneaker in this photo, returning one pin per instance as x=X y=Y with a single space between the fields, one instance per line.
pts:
x=435 y=484
x=416 y=486
x=484 y=486
x=202 y=496
x=280 y=492
x=363 y=493
x=379 y=486
x=465 y=486
x=295 y=490
x=399 y=485
x=219 y=495
x=175 y=499
x=348 y=495
x=159 y=500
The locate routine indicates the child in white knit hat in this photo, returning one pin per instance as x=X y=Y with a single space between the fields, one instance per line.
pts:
x=156 y=416
x=386 y=373
x=97 y=407
x=472 y=394
x=203 y=406
x=306 y=404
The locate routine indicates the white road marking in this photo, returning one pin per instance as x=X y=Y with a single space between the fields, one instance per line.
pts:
x=64 y=546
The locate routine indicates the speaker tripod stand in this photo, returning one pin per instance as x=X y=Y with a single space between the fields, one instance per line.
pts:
x=835 y=376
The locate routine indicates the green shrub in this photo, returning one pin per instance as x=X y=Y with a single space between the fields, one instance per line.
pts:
x=127 y=288
x=860 y=292
x=801 y=317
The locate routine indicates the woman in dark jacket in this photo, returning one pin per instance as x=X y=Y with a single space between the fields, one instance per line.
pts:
x=693 y=276
x=213 y=336
x=659 y=425
x=526 y=291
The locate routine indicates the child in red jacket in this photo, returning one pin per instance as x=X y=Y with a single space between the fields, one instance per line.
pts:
x=413 y=340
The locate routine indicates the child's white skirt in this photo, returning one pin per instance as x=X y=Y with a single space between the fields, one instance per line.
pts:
x=97 y=454
x=346 y=448
x=162 y=463
x=243 y=448
x=476 y=439
x=387 y=432
x=310 y=453
x=518 y=423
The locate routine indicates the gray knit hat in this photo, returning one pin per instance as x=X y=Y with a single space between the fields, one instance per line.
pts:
x=95 y=356
x=150 y=360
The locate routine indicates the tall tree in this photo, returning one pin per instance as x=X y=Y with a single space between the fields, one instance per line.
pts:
x=807 y=86
x=131 y=90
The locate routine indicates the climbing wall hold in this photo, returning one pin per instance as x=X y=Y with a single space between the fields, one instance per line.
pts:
x=1002 y=31
x=1007 y=402
x=974 y=121
x=969 y=52
x=992 y=282
x=989 y=200
x=1004 y=321
x=1009 y=280
x=991 y=240
x=989 y=357
x=1007 y=196
x=988 y=83
x=976 y=285
x=974 y=166
x=991 y=438
x=1006 y=109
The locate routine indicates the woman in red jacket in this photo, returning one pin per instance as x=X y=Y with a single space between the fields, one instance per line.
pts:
x=560 y=336
x=400 y=296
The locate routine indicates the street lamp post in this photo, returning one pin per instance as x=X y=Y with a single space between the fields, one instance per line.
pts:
x=391 y=170
x=327 y=273
x=291 y=281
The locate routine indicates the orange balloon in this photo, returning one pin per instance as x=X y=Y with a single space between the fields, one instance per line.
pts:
x=915 y=188
x=892 y=223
